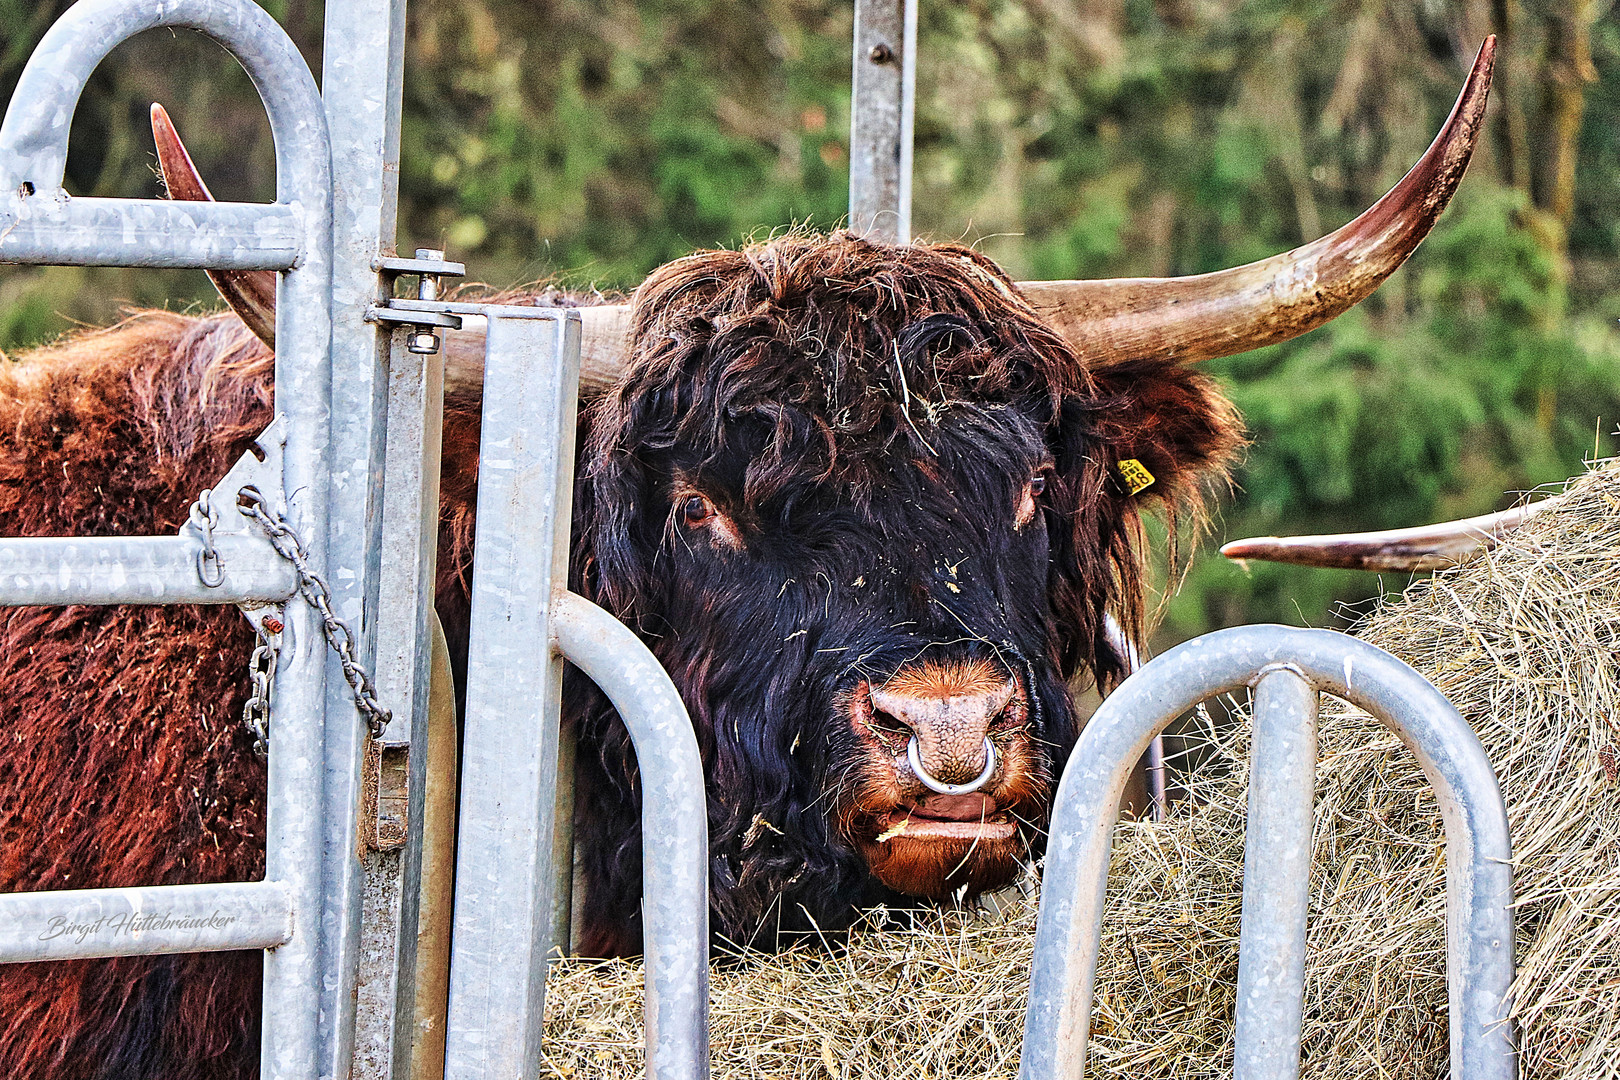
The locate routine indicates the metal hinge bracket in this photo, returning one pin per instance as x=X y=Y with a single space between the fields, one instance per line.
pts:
x=260 y=467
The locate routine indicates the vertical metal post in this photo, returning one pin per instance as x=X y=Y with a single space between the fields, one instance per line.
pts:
x=362 y=79
x=883 y=97
x=1276 y=878
x=502 y=919
x=384 y=1031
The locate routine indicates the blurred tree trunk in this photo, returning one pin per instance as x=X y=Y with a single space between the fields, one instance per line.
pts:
x=1508 y=23
x=1564 y=71
x=1567 y=72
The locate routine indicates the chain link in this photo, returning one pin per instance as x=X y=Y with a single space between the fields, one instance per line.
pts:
x=205 y=519
x=256 y=712
x=291 y=547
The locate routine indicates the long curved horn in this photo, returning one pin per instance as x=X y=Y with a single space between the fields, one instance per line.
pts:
x=250 y=293
x=605 y=337
x=1230 y=311
x=1426 y=547
x=604 y=349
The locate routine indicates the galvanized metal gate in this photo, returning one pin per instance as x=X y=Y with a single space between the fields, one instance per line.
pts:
x=39 y=223
x=339 y=927
x=355 y=445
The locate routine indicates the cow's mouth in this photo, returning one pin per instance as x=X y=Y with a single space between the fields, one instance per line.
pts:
x=920 y=841
x=947 y=817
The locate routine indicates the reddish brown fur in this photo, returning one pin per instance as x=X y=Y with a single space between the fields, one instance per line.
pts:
x=943 y=680
x=127 y=764
x=124 y=761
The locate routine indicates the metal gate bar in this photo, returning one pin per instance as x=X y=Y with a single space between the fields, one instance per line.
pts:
x=362 y=64
x=883 y=92
x=523 y=623
x=514 y=685
x=1288 y=665
x=1276 y=876
x=139 y=570
x=40 y=223
x=74 y=924
x=385 y=1015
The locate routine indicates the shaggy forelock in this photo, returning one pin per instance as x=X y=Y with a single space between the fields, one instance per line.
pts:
x=818 y=354
x=820 y=361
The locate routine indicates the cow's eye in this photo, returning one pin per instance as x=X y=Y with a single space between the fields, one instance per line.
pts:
x=697 y=510
x=1037 y=484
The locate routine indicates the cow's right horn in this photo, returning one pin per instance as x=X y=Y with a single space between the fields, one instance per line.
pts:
x=251 y=294
x=1426 y=547
x=1262 y=303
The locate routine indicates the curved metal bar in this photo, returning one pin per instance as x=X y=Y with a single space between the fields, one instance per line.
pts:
x=1479 y=885
x=40 y=223
x=674 y=831
x=1131 y=658
x=34 y=137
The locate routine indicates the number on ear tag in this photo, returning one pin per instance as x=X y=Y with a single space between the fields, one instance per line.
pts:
x=1136 y=475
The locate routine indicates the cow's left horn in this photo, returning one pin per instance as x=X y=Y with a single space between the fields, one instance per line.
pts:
x=252 y=293
x=1230 y=311
x=1426 y=547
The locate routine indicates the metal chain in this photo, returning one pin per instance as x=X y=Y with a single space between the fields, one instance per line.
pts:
x=291 y=547
x=256 y=711
x=205 y=518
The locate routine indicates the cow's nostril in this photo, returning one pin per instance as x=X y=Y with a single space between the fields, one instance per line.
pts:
x=889 y=722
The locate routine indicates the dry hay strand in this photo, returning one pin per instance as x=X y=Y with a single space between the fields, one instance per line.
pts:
x=1523 y=641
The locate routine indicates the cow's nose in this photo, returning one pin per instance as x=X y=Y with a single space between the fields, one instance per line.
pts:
x=949 y=713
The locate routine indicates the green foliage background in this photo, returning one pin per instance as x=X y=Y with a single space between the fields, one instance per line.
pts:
x=590 y=140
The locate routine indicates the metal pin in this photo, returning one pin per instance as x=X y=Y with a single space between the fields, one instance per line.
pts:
x=425 y=340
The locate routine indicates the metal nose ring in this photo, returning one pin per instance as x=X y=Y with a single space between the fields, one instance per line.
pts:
x=914 y=756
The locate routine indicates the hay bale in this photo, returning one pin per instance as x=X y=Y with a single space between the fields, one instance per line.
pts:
x=1526 y=643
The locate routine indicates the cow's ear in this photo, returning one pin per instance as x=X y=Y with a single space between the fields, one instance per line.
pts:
x=1150 y=434
x=1167 y=432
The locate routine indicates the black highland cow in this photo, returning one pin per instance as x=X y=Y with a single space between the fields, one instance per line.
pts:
x=854 y=496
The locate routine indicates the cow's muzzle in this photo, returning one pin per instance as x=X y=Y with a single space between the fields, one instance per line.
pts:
x=950 y=711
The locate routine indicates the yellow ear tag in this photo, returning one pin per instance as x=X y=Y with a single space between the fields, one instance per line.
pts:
x=1136 y=476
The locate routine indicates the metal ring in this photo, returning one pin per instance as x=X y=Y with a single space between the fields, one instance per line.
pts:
x=915 y=758
x=209 y=570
